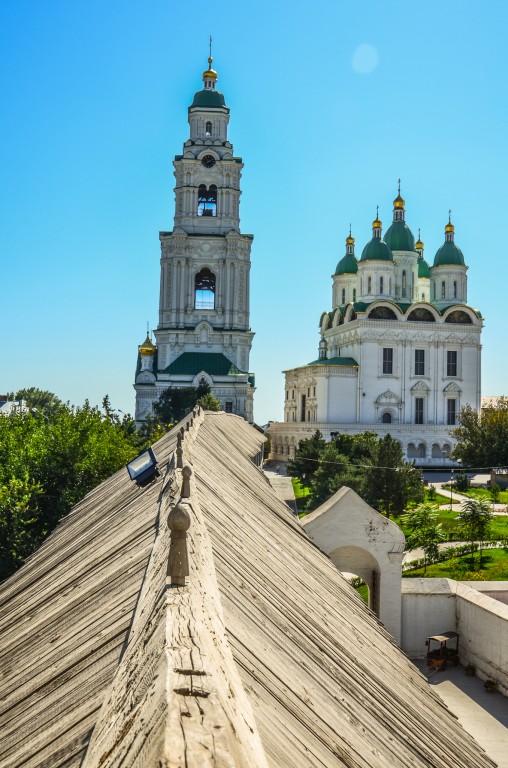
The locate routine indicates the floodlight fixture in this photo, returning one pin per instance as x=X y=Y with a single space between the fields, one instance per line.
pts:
x=143 y=468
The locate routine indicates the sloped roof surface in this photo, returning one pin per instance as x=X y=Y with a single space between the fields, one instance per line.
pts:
x=326 y=683
x=192 y=363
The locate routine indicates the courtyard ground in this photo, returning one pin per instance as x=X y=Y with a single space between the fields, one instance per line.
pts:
x=484 y=715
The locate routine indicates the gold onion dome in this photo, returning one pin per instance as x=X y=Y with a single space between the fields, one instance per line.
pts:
x=399 y=202
x=449 y=227
x=147 y=348
x=210 y=73
x=350 y=239
x=377 y=223
x=419 y=244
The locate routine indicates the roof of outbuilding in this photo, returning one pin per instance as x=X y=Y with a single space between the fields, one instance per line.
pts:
x=334 y=361
x=277 y=662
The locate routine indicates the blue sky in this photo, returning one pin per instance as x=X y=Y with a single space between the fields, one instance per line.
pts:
x=330 y=103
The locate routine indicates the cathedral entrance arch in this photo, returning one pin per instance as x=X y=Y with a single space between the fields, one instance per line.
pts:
x=361 y=541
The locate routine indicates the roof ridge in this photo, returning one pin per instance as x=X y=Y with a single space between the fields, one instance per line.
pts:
x=177 y=690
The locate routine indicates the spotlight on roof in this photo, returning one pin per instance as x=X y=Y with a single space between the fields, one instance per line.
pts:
x=143 y=469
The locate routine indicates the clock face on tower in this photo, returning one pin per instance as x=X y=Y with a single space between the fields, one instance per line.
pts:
x=208 y=161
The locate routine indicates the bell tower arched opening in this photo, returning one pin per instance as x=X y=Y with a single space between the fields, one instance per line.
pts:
x=204 y=289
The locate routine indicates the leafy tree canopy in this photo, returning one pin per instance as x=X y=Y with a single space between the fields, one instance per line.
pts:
x=49 y=460
x=475 y=520
x=176 y=402
x=425 y=531
x=482 y=440
x=305 y=462
x=373 y=467
x=209 y=402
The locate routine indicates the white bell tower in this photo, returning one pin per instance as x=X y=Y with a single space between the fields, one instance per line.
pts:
x=204 y=319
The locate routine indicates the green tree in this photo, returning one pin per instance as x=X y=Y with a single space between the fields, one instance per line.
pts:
x=393 y=483
x=424 y=531
x=334 y=470
x=306 y=459
x=48 y=463
x=475 y=519
x=176 y=402
x=209 y=402
x=482 y=439
x=40 y=400
x=19 y=530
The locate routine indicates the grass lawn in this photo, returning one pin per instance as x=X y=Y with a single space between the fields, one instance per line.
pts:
x=499 y=527
x=301 y=493
x=484 y=493
x=494 y=568
x=438 y=499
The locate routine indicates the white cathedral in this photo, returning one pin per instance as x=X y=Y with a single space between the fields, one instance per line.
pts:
x=400 y=350
x=203 y=334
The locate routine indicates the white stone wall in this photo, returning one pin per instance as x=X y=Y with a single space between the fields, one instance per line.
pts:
x=433 y=606
x=359 y=540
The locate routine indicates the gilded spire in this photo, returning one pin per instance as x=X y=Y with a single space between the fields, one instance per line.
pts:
x=350 y=239
x=399 y=201
x=377 y=224
x=210 y=75
x=419 y=245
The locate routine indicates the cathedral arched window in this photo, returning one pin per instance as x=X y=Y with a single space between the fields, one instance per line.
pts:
x=207 y=200
x=443 y=289
x=354 y=294
x=204 y=290
x=404 y=284
x=208 y=128
x=369 y=284
x=381 y=284
x=343 y=295
x=386 y=418
x=422 y=315
x=382 y=313
x=454 y=289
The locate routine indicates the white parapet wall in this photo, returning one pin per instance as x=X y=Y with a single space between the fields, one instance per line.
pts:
x=433 y=606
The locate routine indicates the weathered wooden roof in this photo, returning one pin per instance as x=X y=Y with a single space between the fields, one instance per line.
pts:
x=295 y=669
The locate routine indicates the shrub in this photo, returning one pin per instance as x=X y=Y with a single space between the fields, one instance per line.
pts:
x=462 y=482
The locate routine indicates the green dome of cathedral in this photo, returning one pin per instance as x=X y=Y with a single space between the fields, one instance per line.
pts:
x=208 y=98
x=423 y=268
x=449 y=253
x=399 y=237
x=376 y=250
x=347 y=265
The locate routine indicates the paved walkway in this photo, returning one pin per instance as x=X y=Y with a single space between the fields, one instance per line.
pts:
x=458 y=498
x=281 y=484
x=483 y=715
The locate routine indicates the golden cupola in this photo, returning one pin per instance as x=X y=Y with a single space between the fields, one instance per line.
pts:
x=147 y=348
